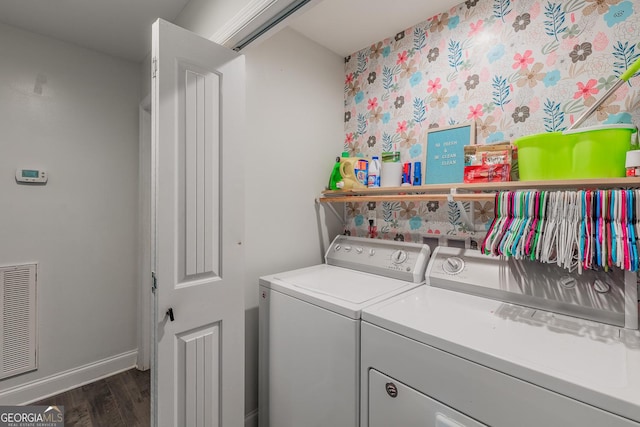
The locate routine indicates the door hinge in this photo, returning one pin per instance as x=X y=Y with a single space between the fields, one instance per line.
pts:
x=154 y=67
x=154 y=282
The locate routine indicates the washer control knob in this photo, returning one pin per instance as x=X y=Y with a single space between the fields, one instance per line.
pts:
x=347 y=248
x=359 y=250
x=568 y=282
x=453 y=265
x=399 y=256
x=338 y=247
x=601 y=287
x=372 y=252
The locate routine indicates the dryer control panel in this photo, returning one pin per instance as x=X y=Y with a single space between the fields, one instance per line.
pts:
x=594 y=295
x=398 y=260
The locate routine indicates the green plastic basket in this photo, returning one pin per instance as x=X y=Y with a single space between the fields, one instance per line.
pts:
x=594 y=152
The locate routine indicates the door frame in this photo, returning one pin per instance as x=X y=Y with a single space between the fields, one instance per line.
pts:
x=144 y=235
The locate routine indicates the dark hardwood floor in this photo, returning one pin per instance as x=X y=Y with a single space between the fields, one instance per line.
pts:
x=120 y=400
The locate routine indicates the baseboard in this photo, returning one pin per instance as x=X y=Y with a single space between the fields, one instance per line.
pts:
x=251 y=419
x=67 y=380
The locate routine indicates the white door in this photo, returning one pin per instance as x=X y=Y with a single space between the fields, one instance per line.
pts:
x=197 y=132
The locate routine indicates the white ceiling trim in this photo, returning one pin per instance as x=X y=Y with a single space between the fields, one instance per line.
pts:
x=240 y=21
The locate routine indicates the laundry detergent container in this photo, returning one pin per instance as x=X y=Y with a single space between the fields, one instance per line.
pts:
x=594 y=152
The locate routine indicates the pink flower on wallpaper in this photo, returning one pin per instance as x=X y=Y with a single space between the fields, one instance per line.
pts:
x=585 y=91
x=522 y=60
x=498 y=113
x=402 y=57
x=434 y=85
x=372 y=103
x=402 y=126
x=600 y=42
x=475 y=112
x=475 y=28
x=568 y=44
x=534 y=104
x=348 y=79
x=552 y=58
x=534 y=10
x=622 y=92
x=349 y=138
x=484 y=75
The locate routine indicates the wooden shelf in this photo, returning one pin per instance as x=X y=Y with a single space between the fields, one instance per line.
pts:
x=461 y=192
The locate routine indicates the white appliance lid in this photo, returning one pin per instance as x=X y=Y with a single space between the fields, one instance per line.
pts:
x=341 y=290
x=591 y=362
x=347 y=285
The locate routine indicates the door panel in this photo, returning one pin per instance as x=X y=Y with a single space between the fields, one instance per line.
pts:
x=200 y=168
x=197 y=120
x=198 y=374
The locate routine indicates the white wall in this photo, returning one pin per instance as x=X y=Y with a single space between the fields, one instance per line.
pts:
x=73 y=112
x=295 y=131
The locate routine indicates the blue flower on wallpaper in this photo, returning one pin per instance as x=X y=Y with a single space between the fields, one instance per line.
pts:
x=495 y=137
x=415 y=79
x=359 y=220
x=386 y=118
x=618 y=13
x=359 y=97
x=415 y=222
x=618 y=118
x=453 y=101
x=495 y=53
x=453 y=22
x=415 y=150
x=386 y=51
x=551 y=78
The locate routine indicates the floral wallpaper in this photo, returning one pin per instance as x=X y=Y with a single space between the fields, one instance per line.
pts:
x=515 y=67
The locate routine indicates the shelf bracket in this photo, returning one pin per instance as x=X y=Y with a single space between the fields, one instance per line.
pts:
x=342 y=218
x=452 y=197
x=452 y=194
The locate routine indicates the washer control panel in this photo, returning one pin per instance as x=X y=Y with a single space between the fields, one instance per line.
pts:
x=398 y=260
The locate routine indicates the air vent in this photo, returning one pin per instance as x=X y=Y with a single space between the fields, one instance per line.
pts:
x=17 y=319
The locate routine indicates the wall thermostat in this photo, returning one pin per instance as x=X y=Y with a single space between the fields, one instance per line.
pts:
x=31 y=176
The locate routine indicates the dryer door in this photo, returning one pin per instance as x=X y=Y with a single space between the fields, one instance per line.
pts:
x=392 y=403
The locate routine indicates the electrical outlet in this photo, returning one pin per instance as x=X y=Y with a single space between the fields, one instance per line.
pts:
x=371 y=217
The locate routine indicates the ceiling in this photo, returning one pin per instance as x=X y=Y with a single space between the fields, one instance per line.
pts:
x=118 y=27
x=346 y=26
x=123 y=27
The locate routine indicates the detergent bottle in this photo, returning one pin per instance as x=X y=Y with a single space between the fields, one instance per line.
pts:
x=335 y=180
x=353 y=171
x=374 y=172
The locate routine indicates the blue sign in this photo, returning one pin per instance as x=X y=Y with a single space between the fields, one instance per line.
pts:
x=445 y=153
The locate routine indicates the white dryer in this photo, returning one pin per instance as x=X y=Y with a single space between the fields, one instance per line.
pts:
x=503 y=343
x=309 y=333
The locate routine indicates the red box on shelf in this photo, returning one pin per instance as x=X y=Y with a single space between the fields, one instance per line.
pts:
x=488 y=163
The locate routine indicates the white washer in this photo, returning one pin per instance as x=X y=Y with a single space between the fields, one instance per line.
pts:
x=460 y=352
x=310 y=329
